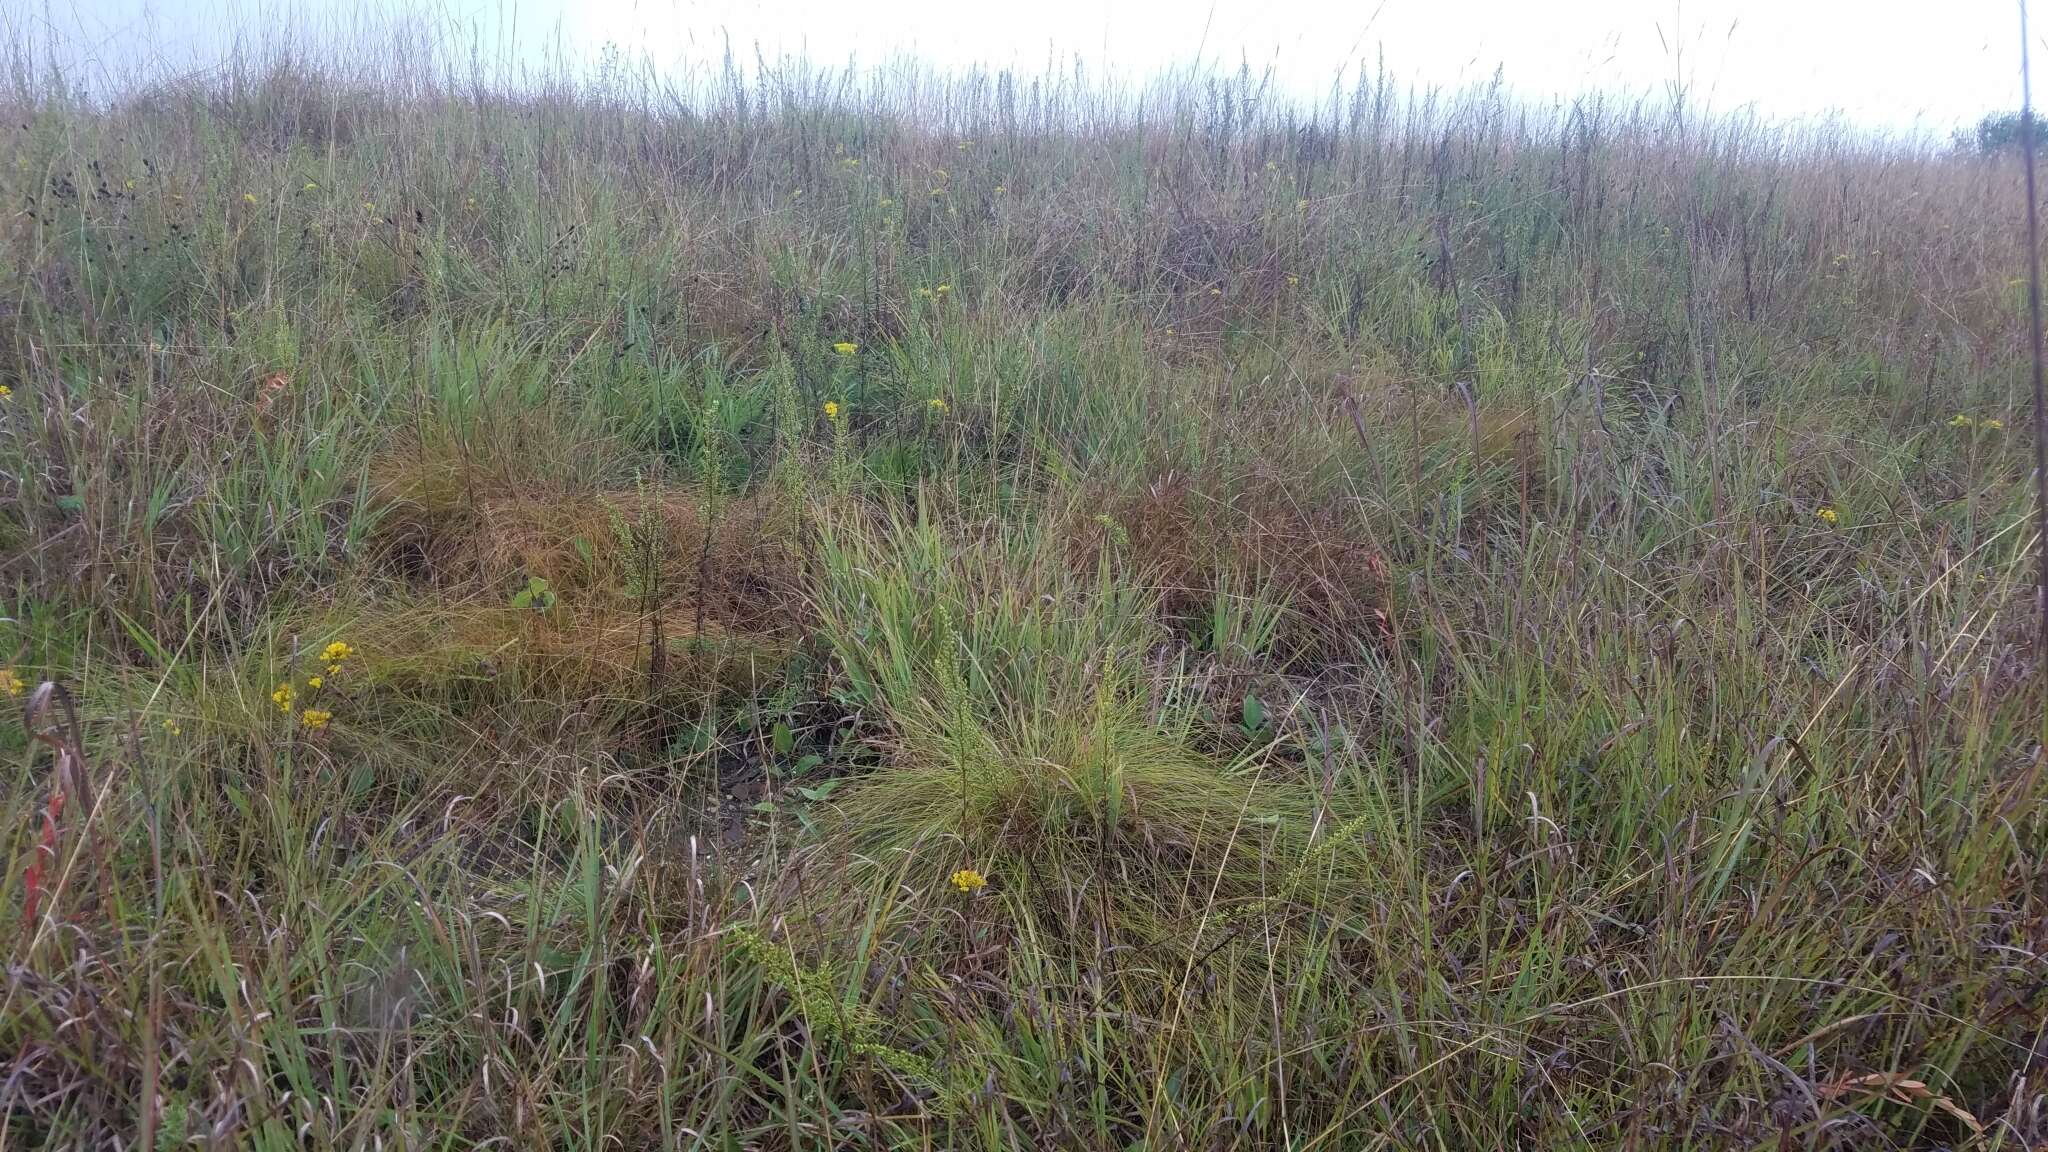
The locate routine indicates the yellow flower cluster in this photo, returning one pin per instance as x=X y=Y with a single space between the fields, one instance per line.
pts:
x=831 y=409
x=315 y=718
x=846 y=347
x=969 y=881
x=1828 y=514
x=12 y=684
x=283 y=697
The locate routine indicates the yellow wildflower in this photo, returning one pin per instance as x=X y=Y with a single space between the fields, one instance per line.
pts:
x=968 y=880
x=1828 y=514
x=1294 y=281
x=1993 y=424
x=314 y=681
x=171 y=726
x=846 y=347
x=943 y=289
x=938 y=405
x=310 y=187
x=334 y=669
x=249 y=197
x=1960 y=421
x=336 y=652
x=831 y=409
x=11 y=684
x=283 y=697
x=5 y=391
x=315 y=717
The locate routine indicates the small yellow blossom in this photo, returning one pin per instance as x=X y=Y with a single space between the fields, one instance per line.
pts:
x=1992 y=423
x=925 y=293
x=129 y=185
x=831 y=409
x=5 y=391
x=1959 y=420
x=943 y=289
x=1828 y=514
x=314 y=681
x=1294 y=281
x=938 y=405
x=171 y=726
x=334 y=669
x=1000 y=189
x=12 y=684
x=310 y=187
x=283 y=697
x=846 y=347
x=249 y=197
x=968 y=880
x=315 y=717
x=336 y=652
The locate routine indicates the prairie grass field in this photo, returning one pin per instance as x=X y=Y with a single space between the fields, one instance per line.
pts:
x=792 y=608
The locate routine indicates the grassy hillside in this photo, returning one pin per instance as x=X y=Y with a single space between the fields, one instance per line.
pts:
x=806 y=611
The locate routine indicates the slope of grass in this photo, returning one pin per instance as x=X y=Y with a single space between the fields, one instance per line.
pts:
x=1432 y=625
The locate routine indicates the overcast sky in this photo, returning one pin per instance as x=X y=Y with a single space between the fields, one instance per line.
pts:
x=1931 y=65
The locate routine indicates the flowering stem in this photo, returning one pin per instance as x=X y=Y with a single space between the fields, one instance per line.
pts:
x=2034 y=340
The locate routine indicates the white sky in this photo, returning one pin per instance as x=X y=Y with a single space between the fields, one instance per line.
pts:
x=1892 y=64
